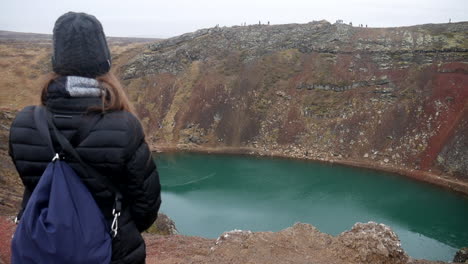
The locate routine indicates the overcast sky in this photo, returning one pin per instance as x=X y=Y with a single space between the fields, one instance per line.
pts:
x=173 y=17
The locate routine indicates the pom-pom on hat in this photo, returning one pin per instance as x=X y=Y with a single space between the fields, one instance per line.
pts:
x=80 y=46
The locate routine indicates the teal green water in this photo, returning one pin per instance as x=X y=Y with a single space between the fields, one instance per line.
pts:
x=208 y=194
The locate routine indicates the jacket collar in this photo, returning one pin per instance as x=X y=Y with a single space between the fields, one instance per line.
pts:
x=73 y=94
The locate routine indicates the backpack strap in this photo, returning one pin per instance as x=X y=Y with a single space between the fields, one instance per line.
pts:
x=42 y=127
x=42 y=114
x=87 y=123
x=45 y=134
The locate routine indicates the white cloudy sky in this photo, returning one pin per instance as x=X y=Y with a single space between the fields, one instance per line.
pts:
x=173 y=17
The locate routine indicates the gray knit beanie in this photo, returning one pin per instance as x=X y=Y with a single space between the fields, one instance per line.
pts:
x=80 y=46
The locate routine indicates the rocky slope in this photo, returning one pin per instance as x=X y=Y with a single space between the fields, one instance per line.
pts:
x=393 y=98
x=11 y=187
x=302 y=243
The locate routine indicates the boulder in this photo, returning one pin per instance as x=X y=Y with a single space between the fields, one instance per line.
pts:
x=461 y=256
x=163 y=226
x=373 y=243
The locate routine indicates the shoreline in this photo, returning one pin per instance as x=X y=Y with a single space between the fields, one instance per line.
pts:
x=452 y=184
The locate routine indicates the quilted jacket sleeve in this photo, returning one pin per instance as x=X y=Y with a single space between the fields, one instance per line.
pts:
x=143 y=187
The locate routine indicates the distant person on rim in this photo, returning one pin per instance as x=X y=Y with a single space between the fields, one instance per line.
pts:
x=82 y=87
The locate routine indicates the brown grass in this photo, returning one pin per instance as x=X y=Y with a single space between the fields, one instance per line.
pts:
x=24 y=63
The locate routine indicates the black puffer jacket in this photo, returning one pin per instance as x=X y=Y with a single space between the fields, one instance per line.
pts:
x=115 y=147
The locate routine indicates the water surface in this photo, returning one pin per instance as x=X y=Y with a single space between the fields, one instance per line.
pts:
x=208 y=194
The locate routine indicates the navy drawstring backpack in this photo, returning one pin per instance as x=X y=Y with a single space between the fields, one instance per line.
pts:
x=62 y=222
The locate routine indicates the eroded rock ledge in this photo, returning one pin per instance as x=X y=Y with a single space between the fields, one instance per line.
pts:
x=301 y=243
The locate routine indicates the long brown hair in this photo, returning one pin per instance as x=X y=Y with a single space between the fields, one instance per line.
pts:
x=113 y=96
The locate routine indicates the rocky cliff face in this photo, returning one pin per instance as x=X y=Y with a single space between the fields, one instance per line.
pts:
x=393 y=97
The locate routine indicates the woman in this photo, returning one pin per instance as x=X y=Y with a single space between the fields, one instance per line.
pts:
x=82 y=87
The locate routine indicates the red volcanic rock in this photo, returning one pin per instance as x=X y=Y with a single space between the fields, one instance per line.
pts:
x=388 y=98
x=7 y=227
